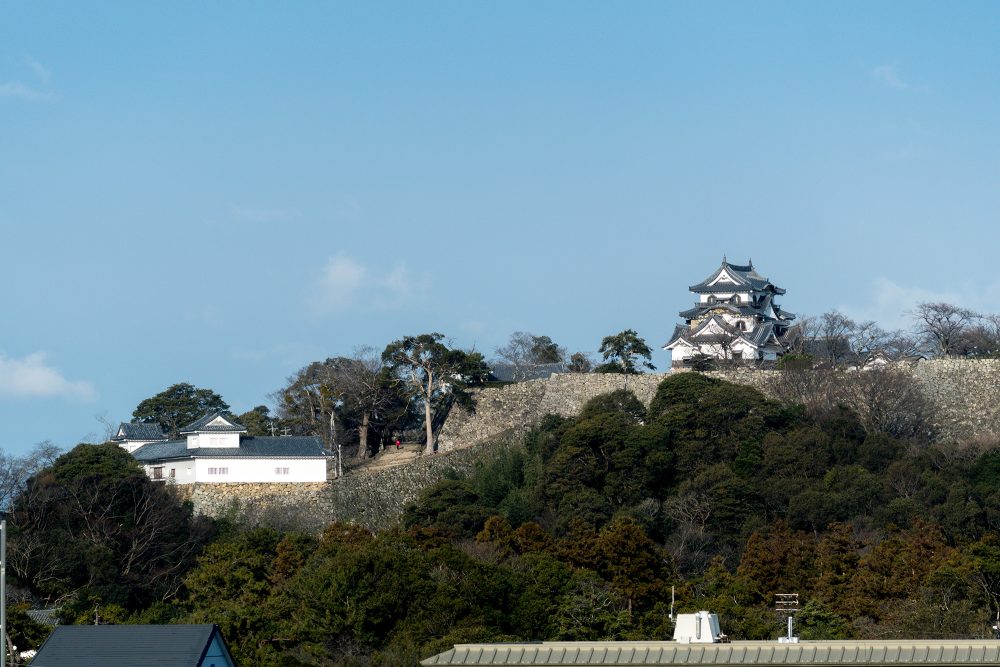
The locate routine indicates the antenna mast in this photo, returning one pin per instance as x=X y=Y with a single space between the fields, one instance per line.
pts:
x=787 y=604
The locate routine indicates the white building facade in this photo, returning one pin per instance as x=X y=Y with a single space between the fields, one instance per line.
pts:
x=215 y=449
x=735 y=318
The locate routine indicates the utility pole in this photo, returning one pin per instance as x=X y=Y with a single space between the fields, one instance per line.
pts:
x=3 y=587
x=787 y=604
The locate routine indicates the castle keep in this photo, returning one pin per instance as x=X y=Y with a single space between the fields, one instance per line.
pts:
x=735 y=317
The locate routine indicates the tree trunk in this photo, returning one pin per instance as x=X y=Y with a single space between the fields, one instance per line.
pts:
x=333 y=436
x=363 y=435
x=429 y=448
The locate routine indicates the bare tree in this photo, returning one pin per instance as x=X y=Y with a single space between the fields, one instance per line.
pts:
x=888 y=400
x=943 y=326
x=372 y=388
x=308 y=404
x=798 y=336
x=867 y=340
x=983 y=338
x=900 y=345
x=108 y=427
x=525 y=352
x=15 y=471
x=835 y=329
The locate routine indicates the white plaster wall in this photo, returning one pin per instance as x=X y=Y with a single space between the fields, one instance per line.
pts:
x=183 y=471
x=681 y=351
x=132 y=445
x=213 y=440
x=246 y=469
x=723 y=296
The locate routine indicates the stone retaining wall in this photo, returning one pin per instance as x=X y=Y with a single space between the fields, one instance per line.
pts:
x=966 y=394
x=373 y=499
x=516 y=408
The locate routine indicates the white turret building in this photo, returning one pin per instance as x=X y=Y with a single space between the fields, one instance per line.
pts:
x=734 y=318
x=215 y=449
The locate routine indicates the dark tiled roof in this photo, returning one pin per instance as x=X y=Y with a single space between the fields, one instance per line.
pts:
x=126 y=646
x=202 y=425
x=679 y=332
x=137 y=431
x=250 y=447
x=759 y=336
x=49 y=617
x=696 y=332
x=746 y=278
x=761 y=333
x=742 y=310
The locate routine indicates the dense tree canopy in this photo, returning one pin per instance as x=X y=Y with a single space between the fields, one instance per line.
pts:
x=577 y=532
x=625 y=352
x=93 y=529
x=433 y=372
x=177 y=406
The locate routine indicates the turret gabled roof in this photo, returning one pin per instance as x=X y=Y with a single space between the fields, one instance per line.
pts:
x=680 y=332
x=137 y=431
x=214 y=422
x=715 y=331
x=734 y=278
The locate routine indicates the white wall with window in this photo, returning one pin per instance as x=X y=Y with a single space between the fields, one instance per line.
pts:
x=196 y=440
x=247 y=469
x=174 y=472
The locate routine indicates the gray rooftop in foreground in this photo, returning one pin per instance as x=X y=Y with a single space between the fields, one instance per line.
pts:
x=125 y=646
x=764 y=654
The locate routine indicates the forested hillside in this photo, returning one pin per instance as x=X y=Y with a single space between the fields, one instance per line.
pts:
x=578 y=534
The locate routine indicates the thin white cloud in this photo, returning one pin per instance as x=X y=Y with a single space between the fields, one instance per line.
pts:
x=345 y=282
x=42 y=73
x=32 y=377
x=16 y=89
x=19 y=91
x=891 y=304
x=400 y=285
x=339 y=283
x=889 y=76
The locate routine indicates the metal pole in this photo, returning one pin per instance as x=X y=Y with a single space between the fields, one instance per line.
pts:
x=3 y=587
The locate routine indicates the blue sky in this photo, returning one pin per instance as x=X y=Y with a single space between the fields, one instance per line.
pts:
x=220 y=193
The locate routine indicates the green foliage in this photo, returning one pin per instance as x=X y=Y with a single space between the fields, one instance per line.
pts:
x=178 y=406
x=24 y=632
x=619 y=401
x=258 y=421
x=94 y=522
x=796 y=361
x=625 y=352
x=434 y=372
x=450 y=507
x=578 y=534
